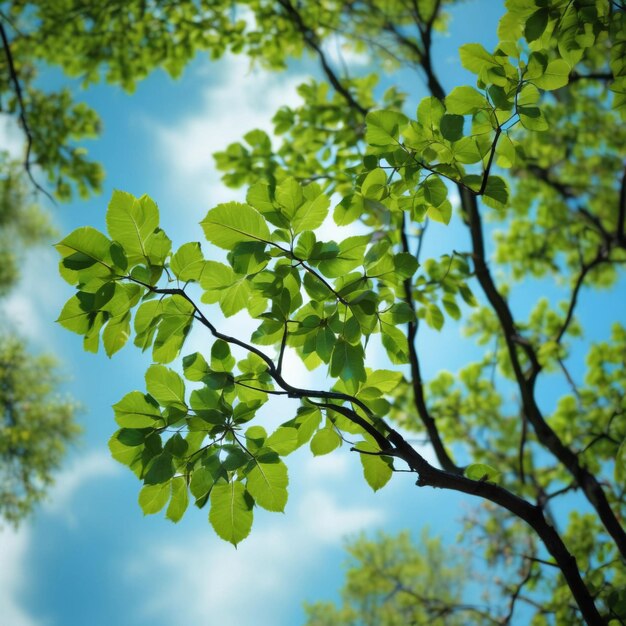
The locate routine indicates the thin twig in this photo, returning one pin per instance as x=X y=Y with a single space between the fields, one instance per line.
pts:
x=586 y=268
x=22 y=114
x=311 y=39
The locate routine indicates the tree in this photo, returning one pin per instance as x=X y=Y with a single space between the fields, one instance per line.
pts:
x=391 y=582
x=536 y=144
x=36 y=423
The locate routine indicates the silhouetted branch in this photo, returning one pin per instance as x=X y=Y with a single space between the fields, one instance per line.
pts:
x=22 y=110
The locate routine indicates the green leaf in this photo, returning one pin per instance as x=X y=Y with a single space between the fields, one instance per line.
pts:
x=132 y=222
x=350 y=254
x=188 y=262
x=384 y=127
x=116 y=333
x=405 y=264
x=166 y=386
x=158 y=248
x=430 y=110
x=283 y=440
x=152 y=498
x=202 y=481
x=74 y=317
x=195 y=367
x=259 y=197
x=505 y=152
x=147 y=318
x=536 y=24
x=474 y=57
x=555 y=76
x=395 y=343
x=231 y=511
x=160 y=470
x=346 y=361
x=232 y=291
x=528 y=96
x=324 y=441
x=482 y=472
x=375 y=184
x=228 y=224
x=441 y=213
x=175 y=322
x=136 y=410
x=465 y=100
x=289 y=196
x=86 y=254
x=221 y=358
x=451 y=127
x=306 y=422
x=248 y=257
x=377 y=469
x=451 y=307
x=435 y=190
x=380 y=382
x=122 y=453
x=496 y=193
x=465 y=150
x=311 y=214
x=434 y=317
x=267 y=484
x=203 y=478
x=532 y=118
x=179 y=501
x=132 y=436
x=215 y=278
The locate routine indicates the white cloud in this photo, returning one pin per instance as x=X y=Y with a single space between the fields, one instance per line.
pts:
x=11 y=137
x=327 y=522
x=207 y=581
x=342 y=54
x=13 y=580
x=30 y=310
x=243 y=100
x=334 y=465
x=82 y=471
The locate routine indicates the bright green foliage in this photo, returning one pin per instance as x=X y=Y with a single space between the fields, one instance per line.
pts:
x=391 y=581
x=535 y=145
x=36 y=427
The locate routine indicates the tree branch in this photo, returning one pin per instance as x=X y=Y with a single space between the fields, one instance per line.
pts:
x=620 y=235
x=22 y=110
x=492 y=153
x=418 y=388
x=311 y=40
x=586 y=268
x=546 y=436
x=531 y=514
x=515 y=595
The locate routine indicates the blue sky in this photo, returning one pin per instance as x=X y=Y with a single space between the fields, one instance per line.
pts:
x=89 y=556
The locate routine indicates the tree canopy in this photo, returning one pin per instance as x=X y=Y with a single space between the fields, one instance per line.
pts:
x=529 y=157
x=36 y=422
x=390 y=582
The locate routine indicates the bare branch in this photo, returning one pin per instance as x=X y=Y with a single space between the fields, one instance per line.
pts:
x=311 y=40
x=600 y=257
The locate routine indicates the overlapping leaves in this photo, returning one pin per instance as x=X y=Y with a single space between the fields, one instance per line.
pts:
x=324 y=299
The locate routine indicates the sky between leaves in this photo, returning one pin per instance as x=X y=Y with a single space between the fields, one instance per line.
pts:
x=89 y=556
